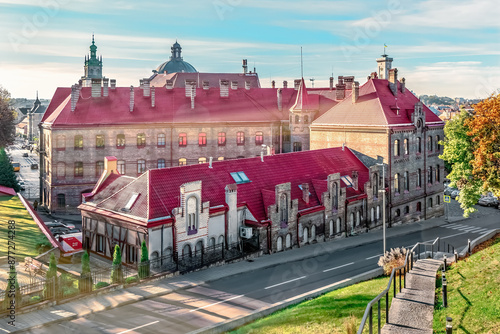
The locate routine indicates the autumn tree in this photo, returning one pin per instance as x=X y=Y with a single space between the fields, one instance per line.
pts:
x=7 y=128
x=484 y=128
x=7 y=175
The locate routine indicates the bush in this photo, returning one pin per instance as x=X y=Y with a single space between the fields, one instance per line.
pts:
x=131 y=279
x=144 y=264
x=42 y=244
x=35 y=299
x=101 y=285
x=116 y=271
x=392 y=259
x=66 y=281
x=85 y=282
x=69 y=291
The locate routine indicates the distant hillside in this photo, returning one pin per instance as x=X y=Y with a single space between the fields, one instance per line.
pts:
x=438 y=100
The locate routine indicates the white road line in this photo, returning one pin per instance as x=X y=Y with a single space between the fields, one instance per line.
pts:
x=453 y=235
x=6 y=331
x=133 y=329
x=344 y=265
x=292 y=280
x=222 y=301
x=371 y=257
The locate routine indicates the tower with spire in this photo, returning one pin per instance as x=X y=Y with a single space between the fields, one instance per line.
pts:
x=93 y=66
x=301 y=115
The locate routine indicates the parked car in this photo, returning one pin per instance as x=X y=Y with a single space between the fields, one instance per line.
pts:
x=34 y=166
x=74 y=230
x=455 y=193
x=25 y=155
x=21 y=184
x=488 y=201
x=59 y=230
x=16 y=166
x=58 y=223
x=449 y=190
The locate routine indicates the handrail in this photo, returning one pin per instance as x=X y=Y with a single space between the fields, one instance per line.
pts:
x=407 y=266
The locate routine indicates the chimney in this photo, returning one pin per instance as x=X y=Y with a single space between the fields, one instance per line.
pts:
x=110 y=165
x=247 y=85
x=234 y=85
x=210 y=162
x=340 y=90
x=206 y=85
x=189 y=84
x=74 y=96
x=80 y=83
x=245 y=67
x=341 y=80
x=331 y=83
x=393 y=81
x=354 y=177
x=131 y=98
x=193 y=94
x=153 y=96
x=280 y=98
x=113 y=83
x=355 y=92
x=273 y=84
x=348 y=82
x=373 y=75
x=146 y=88
x=296 y=84
x=224 y=88
x=403 y=85
x=285 y=84
x=105 y=88
x=141 y=83
x=169 y=84
x=305 y=192
x=96 y=87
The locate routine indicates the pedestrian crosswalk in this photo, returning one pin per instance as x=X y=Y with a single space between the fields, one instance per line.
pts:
x=466 y=228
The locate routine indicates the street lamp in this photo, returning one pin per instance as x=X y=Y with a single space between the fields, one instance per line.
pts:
x=383 y=200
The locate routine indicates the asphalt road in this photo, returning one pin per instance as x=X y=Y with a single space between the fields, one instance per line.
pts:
x=30 y=176
x=190 y=309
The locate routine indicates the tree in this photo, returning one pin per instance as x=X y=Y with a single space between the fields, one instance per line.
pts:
x=484 y=128
x=85 y=282
x=7 y=127
x=117 y=272
x=7 y=174
x=458 y=152
x=144 y=265
x=51 y=282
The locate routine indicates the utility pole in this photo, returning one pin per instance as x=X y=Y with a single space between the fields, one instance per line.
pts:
x=383 y=200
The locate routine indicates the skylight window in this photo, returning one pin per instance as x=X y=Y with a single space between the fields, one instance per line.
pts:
x=300 y=187
x=347 y=180
x=131 y=202
x=240 y=177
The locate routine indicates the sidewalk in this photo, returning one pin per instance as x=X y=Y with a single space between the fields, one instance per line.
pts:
x=95 y=303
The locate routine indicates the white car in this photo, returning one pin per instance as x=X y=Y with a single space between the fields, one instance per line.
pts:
x=488 y=201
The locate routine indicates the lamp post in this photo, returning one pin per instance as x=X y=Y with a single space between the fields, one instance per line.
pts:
x=383 y=200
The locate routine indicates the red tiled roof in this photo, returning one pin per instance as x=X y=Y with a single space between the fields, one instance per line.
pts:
x=160 y=188
x=376 y=106
x=179 y=79
x=304 y=101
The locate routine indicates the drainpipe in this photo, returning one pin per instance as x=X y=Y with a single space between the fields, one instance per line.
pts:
x=171 y=147
x=389 y=161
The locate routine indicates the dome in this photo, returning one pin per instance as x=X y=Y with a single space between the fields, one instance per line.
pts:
x=175 y=64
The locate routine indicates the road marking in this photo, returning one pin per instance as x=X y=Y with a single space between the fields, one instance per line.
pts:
x=133 y=329
x=295 y=279
x=222 y=301
x=6 y=331
x=372 y=257
x=344 y=265
x=453 y=235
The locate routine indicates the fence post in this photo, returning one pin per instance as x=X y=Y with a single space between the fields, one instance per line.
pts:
x=404 y=277
x=438 y=243
x=399 y=280
x=468 y=246
x=444 y=260
x=379 y=321
x=387 y=307
x=394 y=285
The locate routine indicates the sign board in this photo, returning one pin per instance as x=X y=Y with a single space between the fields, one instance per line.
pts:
x=447 y=199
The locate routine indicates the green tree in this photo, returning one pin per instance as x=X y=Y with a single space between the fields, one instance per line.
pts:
x=51 y=283
x=144 y=265
x=7 y=174
x=85 y=282
x=117 y=272
x=7 y=127
x=12 y=280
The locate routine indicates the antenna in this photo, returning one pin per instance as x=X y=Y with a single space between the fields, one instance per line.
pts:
x=301 y=64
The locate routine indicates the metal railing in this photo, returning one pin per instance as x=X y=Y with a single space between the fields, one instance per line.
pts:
x=435 y=246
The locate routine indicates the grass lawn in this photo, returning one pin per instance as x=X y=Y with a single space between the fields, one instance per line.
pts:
x=473 y=293
x=27 y=231
x=325 y=314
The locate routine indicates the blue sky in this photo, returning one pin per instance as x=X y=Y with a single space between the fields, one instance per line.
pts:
x=443 y=47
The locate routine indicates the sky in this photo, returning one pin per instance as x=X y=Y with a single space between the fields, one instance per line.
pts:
x=444 y=47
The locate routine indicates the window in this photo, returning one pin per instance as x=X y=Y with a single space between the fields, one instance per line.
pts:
x=220 y=159
x=429 y=175
x=375 y=185
x=306 y=119
x=141 y=166
x=131 y=254
x=419 y=145
x=240 y=177
x=430 y=202
x=130 y=202
x=192 y=214
x=240 y=138
x=297 y=119
x=396 y=147
x=438 y=200
x=407 y=181
x=141 y=140
x=419 y=178
x=259 y=138
x=120 y=141
x=61 y=200
x=297 y=146
x=182 y=162
x=78 y=142
x=182 y=139
x=429 y=143
x=61 y=170
x=437 y=144
x=121 y=167
x=60 y=143
x=335 y=194
x=283 y=208
x=396 y=183
x=221 y=138
x=160 y=140
x=398 y=213
x=99 y=168
x=407 y=210
x=419 y=206
x=202 y=160
x=100 y=244
x=406 y=145
x=161 y=163
x=78 y=169
x=202 y=139
x=438 y=176
x=99 y=141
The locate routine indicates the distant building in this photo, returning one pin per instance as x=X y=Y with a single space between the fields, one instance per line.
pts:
x=28 y=119
x=176 y=63
x=92 y=66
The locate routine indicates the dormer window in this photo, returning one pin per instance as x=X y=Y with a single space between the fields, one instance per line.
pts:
x=192 y=215
x=283 y=208
x=131 y=202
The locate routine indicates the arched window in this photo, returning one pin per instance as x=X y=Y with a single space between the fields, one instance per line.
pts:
x=283 y=208
x=332 y=231
x=211 y=242
x=78 y=142
x=160 y=140
x=99 y=141
x=306 y=119
x=378 y=212
x=141 y=140
x=407 y=181
x=78 y=169
x=407 y=210
x=438 y=200
x=202 y=160
x=120 y=141
x=240 y=138
x=396 y=183
x=259 y=138
x=338 y=227
x=198 y=248
x=397 y=213
x=358 y=218
x=182 y=139
x=297 y=119
x=221 y=240
x=182 y=162
x=419 y=206
x=406 y=145
x=429 y=175
x=186 y=250
x=372 y=215
x=306 y=235
x=429 y=143
x=419 y=178
x=202 y=139
x=353 y=222
x=221 y=139
x=396 y=147
x=192 y=214
x=279 y=244
x=335 y=194
x=161 y=163
x=430 y=202
x=288 y=241
x=437 y=144
x=419 y=145
x=313 y=232
x=141 y=166
x=438 y=176
x=375 y=185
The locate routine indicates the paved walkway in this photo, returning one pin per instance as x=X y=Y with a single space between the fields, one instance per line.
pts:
x=95 y=303
x=412 y=310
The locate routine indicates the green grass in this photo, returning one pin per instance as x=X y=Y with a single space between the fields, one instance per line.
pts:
x=473 y=294
x=27 y=232
x=325 y=314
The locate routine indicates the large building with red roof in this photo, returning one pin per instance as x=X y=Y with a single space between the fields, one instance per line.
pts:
x=271 y=202
x=383 y=121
